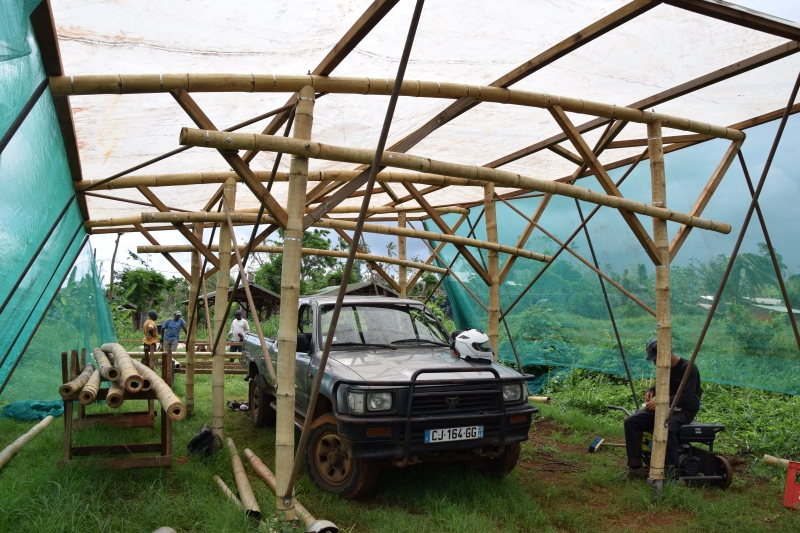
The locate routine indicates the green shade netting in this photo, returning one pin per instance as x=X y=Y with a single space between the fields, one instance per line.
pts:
x=36 y=190
x=563 y=320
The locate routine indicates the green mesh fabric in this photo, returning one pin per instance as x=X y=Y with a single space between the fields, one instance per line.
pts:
x=563 y=319
x=37 y=187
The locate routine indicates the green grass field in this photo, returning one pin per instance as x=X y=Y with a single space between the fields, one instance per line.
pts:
x=556 y=487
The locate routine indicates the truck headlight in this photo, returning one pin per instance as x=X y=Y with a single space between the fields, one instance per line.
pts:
x=512 y=393
x=379 y=401
x=355 y=400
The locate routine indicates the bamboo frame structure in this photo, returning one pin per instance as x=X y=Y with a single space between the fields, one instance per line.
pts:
x=493 y=269
x=10 y=450
x=402 y=273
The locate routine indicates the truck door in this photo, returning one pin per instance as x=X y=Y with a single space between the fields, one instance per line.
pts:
x=305 y=327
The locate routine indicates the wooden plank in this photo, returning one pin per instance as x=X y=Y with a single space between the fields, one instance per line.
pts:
x=670 y=139
x=423 y=203
x=122 y=420
x=360 y=29
x=127 y=463
x=237 y=164
x=118 y=449
x=741 y=16
x=566 y=154
x=605 y=180
x=705 y=197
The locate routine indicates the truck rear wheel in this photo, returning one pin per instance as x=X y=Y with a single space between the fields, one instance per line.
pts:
x=331 y=464
x=500 y=466
x=260 y=398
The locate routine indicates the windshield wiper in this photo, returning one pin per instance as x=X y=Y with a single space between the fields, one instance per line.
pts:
x=403 y=341
x=363 y=344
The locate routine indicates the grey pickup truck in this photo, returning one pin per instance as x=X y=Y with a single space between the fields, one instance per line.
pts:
x=393 y=394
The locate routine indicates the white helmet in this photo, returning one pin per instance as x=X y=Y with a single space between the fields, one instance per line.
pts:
x=473 y=344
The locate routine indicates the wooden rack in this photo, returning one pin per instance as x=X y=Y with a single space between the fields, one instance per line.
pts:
x=128 y=455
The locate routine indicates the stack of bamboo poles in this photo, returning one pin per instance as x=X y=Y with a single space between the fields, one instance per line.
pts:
x=246 y=499
x=114 y=365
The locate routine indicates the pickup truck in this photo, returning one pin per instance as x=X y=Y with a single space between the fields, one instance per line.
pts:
x=393 y=394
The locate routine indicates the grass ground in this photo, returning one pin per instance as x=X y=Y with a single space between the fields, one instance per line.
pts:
x=556 y=487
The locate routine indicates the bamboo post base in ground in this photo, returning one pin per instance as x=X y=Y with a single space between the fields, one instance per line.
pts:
x=14 y=447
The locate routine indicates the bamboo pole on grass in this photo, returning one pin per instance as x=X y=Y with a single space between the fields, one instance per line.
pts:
x=67 y=389
x=9 y=451
x=89 y=392
x=290 y=295
x=170 y=403
x=194 y=289
x=493 y=270
x=663 y=319
x=246 y=495
x=401 y=255
x=128 y=376
x=116 y=394
x=108 y=371
x=220 y=306
x=228 y=492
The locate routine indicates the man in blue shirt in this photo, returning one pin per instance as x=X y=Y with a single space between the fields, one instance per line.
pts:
x=172 y=333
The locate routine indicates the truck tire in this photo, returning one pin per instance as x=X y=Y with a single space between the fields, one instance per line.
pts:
x=500 y=466
x=332 y=467
x=260 y=412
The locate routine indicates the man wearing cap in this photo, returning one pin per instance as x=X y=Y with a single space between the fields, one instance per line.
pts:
x=150 y=338
x=172 y=333
x=239 y=327
x=644 y=419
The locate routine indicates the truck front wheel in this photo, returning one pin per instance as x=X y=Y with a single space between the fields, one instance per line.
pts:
x=331 y=464
x=260 y=411
x=499 y=466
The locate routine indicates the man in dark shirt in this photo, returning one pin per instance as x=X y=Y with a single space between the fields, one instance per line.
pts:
x=643 y=419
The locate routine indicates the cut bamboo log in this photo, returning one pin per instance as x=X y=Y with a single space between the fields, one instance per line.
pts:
x=242 y=141
x=169 y=401
x=9 y=451
x=158 y=83
x=228 y=492
x=128 y=376
x=769 y=459
x=108 y=371
x=182 y=248
x=89 y=392
x=539 y=399
x=68 y=389
x=116 y=394
x=265 y=473
x=246 y=495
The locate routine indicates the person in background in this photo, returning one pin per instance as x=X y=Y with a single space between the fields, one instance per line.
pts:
x=150 y=338
x=239 y=327
x=172 y=333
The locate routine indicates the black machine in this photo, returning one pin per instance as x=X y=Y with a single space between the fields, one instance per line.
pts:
x=697 y=465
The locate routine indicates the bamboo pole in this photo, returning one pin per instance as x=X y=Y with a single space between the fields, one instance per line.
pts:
x=116 y=394
x=663 y=319
x=246 y=495
x=768 y=459
x=127 y=373
x=249 y=218
x=244 y=141
x=157 y=83
x=250 y=304
x=170 y=403
x=265 y=473
x=200 y=178
x=181 y=248
x=68 y=389
x=220 y=315
x=89 y=392
x=228 y=492
x=539 y=399
x=208 y=310
x=493 y=269
x=290 y=294
x=402 y=275
x=194 y=289
x=9 y=451
x=108 y=371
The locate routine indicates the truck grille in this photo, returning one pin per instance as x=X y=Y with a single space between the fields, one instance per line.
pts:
x=451 y=400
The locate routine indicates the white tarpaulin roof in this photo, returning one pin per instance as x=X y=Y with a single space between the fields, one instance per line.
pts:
x=472 y=41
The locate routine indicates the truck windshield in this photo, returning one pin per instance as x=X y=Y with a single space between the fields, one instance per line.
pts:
x=389 y=325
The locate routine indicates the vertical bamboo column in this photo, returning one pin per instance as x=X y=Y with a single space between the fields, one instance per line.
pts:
x=290 y=295
x=663 y=320
x=191 y=315
x=220 y=306
x=493 y=268
x=401 y=254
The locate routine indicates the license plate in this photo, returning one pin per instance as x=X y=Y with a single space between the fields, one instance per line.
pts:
x=449 y=434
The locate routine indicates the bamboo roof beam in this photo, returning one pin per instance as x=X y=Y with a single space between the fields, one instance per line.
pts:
x=182 y=248
x=523 y=238
x=502 y=178
x=166 y=255
x=182 y=84
x=741 y=16
x=667 y=140
x=430 y=258
x=375 y=266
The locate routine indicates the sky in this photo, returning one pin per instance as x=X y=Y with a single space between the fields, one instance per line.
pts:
x=104 y=244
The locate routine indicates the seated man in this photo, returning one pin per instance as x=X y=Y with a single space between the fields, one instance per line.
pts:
x=643 y=420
